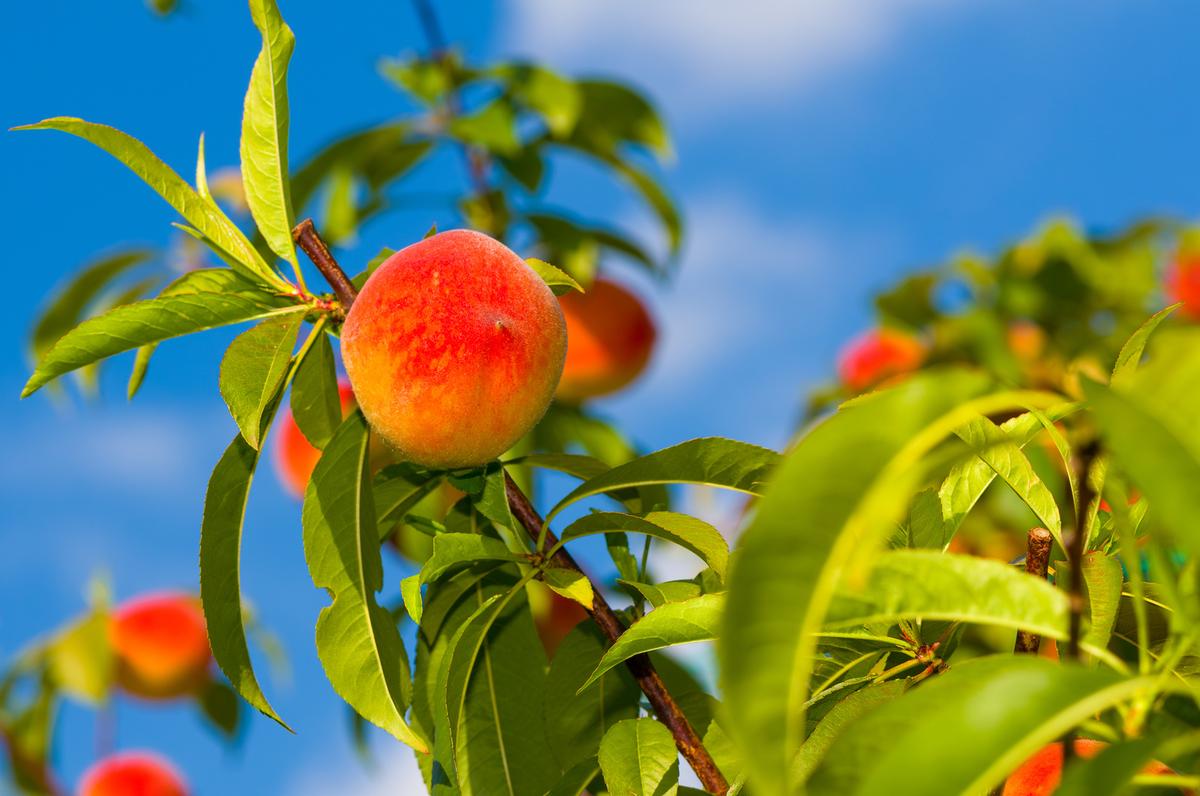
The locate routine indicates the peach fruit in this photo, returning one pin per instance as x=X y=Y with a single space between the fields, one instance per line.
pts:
x=609 y=339
x=1041 y=773
x=132 y=774
x=295 y=456
x=878 y=355
x=1183 y=284
x=454 y=347
x=161 y=645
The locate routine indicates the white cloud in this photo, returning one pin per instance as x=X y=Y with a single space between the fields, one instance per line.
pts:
x=709 y=50
x=397 y=772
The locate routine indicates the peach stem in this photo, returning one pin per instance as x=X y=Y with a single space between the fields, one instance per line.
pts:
x=1037 y=563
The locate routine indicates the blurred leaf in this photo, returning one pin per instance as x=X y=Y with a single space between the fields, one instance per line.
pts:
x=683 y=622
x=569 y=583
x=80 y=659
x=153 y=320
x=1030 y=702
x=656 y=196
x=1103 y=578
x=992 y=445
x=70 y=303
x=219 y=705
x=220 y=570
x=377 y=154
x=836 y=495
x=200 y=213
x=315 y=400
x=493 y=127
x=253 y=371
x=551 y=96
x=376 y=261
x=575 y=720
x=638 y=758
x=526 y=166
x=264 y=147
x=613 y=114
x=688 y=532
x=357 y=640
x=579 y=245
x=426 y=80
x=711 y=461
x=1131 y=353
x=912 y=584
x=559 y=282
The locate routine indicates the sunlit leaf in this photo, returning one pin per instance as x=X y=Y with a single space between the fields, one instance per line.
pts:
x=1103 y=578
x=684 y=530
x=253 y=371
x=315 y=401
x=570 y=583
x=357 y=639
x=1131 y=353
x=683 y=622
x=220 y=570
x=559 y=281
x=710 y=461
x=152 y=321
x=264 y=147
x=493 y=127
x=638 y=758
x=81 y=660
x=548 y=94
x=200 y=213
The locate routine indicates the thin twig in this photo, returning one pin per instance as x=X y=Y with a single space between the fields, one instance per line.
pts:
x=1037 y=563
x=648 y=679
x=306 y=237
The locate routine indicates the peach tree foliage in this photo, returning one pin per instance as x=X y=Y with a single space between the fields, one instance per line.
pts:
x=838 y=620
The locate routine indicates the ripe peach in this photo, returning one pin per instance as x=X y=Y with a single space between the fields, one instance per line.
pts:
x=161 y=645
x=1026 y=340
x=132 y=774
x=1041 y=773
x=295 y=456
x=1183 y=284
x=878 y=355
x=454 y=347
x=609 y=339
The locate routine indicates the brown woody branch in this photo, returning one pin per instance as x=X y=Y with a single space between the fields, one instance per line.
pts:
x=648 y=679
x=640 y=666
x=1037 y=563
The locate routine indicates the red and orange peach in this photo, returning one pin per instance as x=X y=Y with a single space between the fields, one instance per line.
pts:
x=454 y=347
x=610 y=336
x=161 y=646
x=132 y=774
x=877 y=356
x=1041 y=773
x=1183 y=284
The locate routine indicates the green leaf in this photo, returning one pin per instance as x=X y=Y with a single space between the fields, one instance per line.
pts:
x=1162 y=466
x=80 y=659
x=398 y=489
x=220 y=570
x=551 y=96
x=152 y=321
x=919 y=584
x=672 y=624
x=199 y=212
x=264 y=147
x=220 y=707
x=451 y=550
x=315 y=401
x=493 y=681
x=998 y=710
x=72 y=301
x=570 y=583
x=709 y=461
x=559 y=281
x=672 y=591
x=493 y=127
x=688 y=532
x=656 y=196
x=992 y=445
x=426 y=80
x=357 y=640
x=1131 y=353
x=614 y=114
x=638 y=758
x=253 y=371
x=574 y=464
x=1103 y=577
x=834 y=722
x=576 y=721
x=836 y=496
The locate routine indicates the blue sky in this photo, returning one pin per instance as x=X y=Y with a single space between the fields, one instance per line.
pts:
x=822 y=149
